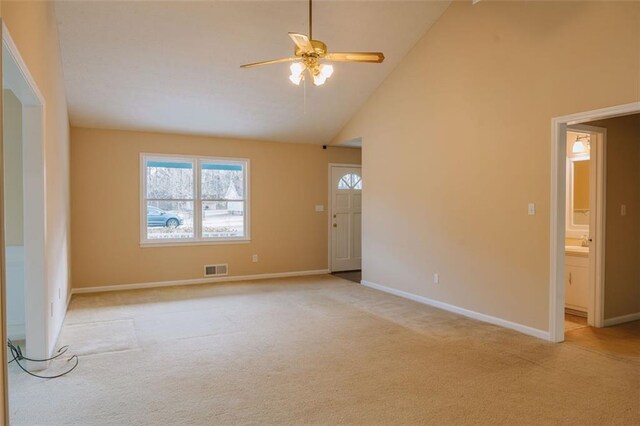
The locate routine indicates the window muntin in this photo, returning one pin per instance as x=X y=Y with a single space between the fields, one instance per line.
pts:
x=194 y=199
x=350 y=181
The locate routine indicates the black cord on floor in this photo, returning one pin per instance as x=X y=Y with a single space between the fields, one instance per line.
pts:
x=16 y=352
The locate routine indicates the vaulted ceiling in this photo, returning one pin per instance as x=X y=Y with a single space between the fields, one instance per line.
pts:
x=173 y=66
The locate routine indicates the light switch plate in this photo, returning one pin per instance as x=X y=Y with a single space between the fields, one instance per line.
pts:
x=319 y=208
x=623 y=210
x=531 y=209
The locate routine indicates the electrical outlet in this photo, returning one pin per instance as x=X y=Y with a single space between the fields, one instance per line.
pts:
x=51 y=309
x=436 y=278
x=254 y=258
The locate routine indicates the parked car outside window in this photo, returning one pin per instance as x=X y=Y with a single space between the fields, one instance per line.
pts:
x=157 y=217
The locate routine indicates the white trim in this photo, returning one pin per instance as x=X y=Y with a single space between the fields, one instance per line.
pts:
x=15 y=53
x=196 y=161
x=621 y=319
x=541 y=334
x=38 y=330
x=177 y=243
x=557 y=207
x=197 y=281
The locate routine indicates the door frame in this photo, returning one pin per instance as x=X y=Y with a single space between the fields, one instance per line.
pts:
x=38 y=310
x=330 y=207
x=559 y=127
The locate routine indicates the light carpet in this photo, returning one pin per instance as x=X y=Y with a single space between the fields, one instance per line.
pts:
x=312 y=350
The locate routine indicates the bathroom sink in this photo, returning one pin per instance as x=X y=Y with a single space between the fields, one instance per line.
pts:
x=576 y=249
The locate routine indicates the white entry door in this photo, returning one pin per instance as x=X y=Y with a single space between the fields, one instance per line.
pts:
x=346 y=218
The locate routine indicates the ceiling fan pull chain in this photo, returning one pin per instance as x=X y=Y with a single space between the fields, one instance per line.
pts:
x=304 y=95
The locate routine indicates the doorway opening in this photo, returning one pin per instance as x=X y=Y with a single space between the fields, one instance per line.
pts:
x=579 y=209
x=584 y=224
x=345 y=220
x=26 y=309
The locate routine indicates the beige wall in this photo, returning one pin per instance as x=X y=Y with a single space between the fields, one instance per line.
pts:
x=287 y=181
x=12 y=142
x=622 y=249
x=459 y=137
x=33 y=27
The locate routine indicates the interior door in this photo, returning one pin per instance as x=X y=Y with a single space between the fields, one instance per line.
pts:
x=346 y=218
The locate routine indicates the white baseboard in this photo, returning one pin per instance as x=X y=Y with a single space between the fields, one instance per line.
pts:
x=541 y=334
x=621 y=319
x=197 y=281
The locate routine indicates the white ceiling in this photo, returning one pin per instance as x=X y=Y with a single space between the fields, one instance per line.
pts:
x=173 y=66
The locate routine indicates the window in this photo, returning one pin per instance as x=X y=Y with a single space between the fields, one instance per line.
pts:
x=350 y=181
x=193 y=199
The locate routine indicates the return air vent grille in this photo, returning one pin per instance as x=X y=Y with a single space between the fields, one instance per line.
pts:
x=215 y=270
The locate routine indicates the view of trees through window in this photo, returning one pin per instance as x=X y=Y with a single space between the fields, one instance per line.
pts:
x=222 y=189
x=178 y=208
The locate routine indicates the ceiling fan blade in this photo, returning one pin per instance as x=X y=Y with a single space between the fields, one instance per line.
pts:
x=273 y=61
x=374 y=57
x=302 y=42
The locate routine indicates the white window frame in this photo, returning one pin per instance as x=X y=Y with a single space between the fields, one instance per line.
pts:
x=196 y=160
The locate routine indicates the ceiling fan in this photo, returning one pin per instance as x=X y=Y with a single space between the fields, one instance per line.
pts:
x=311 y=54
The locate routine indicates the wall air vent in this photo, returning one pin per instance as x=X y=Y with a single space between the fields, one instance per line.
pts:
x=215 y=270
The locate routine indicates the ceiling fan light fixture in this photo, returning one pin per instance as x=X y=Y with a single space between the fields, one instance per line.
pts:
x=297 y=69
x=308 y=53
x=296 y=79
x=319 y=79
x=326 y=70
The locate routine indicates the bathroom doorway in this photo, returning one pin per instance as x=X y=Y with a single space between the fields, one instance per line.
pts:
x=584 y=211
x=578 y=243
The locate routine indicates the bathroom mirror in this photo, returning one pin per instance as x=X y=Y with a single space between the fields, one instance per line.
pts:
x=578 y=195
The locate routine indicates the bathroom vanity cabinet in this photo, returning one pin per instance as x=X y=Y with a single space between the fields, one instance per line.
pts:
x=576 y=282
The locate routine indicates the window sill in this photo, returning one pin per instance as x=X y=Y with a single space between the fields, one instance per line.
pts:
x=192 y=243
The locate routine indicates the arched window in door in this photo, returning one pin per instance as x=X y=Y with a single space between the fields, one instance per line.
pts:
x=350 y=181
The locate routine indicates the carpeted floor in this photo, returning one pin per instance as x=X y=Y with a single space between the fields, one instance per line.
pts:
x=313 y=350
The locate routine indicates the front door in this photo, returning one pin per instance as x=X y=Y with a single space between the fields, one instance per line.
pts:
x=346 y=218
